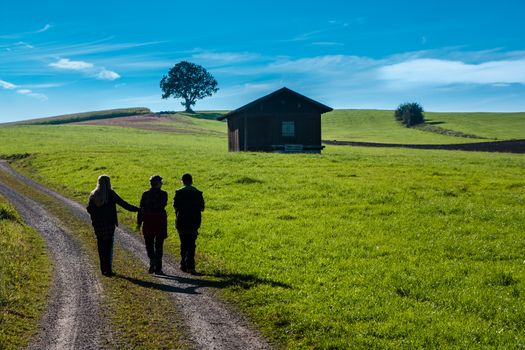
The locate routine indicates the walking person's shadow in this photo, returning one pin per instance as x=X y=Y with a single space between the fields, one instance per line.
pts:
x=190 y=285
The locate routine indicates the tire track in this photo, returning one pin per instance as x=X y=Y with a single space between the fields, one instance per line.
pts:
x=209 y=324
x=71 y=319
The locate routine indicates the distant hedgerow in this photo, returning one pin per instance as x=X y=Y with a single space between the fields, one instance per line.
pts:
x=410 y=114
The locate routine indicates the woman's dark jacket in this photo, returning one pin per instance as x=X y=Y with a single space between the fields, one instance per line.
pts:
x=106 y=214
x=188 y=204
x=152 y=213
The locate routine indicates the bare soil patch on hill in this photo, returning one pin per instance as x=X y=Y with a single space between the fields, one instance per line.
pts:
x=152 y=121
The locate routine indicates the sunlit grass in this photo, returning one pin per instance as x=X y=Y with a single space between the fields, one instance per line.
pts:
x=355 y=247
x=380 y=126
x=501 y=126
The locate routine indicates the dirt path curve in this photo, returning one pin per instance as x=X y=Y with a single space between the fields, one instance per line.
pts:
x=210 y=324
x=71 y=319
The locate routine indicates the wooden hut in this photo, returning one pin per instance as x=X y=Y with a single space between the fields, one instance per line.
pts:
x=283 y=121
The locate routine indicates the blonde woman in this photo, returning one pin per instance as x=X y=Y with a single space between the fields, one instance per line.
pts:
x=103 y=211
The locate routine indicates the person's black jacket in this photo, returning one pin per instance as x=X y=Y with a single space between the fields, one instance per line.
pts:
x=188 y=204
x=107 y=213
x=153 y=200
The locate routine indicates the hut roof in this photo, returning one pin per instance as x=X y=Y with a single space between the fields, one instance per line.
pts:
x=322 y=108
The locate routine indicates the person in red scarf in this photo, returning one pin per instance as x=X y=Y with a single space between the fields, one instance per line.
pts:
x=153 y=219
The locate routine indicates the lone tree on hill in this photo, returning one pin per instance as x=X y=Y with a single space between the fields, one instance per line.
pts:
x=410 y=114
x=188 y=81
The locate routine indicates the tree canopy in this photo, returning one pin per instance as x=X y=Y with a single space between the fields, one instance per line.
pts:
x=189 y=81
x=410 y=113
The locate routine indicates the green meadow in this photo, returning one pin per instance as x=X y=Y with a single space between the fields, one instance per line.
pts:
x=353 y=248
x=25 y=275
x=380 y=126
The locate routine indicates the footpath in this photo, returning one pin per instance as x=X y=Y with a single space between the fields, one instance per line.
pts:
x=70 y=320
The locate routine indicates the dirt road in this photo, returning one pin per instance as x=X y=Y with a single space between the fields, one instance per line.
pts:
x=71 y=319
x=209 y=324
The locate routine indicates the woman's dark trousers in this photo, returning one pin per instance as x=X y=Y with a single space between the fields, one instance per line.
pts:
x=105 y=253
x=154 y=247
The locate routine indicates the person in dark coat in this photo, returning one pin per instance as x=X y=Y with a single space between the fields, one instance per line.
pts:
x=103 y=211
x=153 y=218
x=188 y=204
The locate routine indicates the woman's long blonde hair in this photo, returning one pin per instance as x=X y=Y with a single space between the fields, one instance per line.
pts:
x=100 y=195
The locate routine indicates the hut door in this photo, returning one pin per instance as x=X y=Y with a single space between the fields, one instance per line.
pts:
x=235 y=135
x=233 y=140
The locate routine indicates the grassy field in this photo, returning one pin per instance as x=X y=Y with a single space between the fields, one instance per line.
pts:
x=502 y=126
x=380 y=126
x=25 y=273
x=359 y=248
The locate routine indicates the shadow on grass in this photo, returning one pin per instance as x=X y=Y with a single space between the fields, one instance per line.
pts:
x=190 y=285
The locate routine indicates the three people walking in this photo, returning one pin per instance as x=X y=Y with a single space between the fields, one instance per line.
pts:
x=151 y=217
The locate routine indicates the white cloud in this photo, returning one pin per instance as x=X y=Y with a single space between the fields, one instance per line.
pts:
x=65 y=63
x=443 y=72
x=7 y=85
x=246 y=89
x=226 y=57
x=87 y=68
x=44 y=29
x=32 y=94
x=24 y=44
x=105 y=74
x=328 y=64
x=22 y=91
x=327 y=43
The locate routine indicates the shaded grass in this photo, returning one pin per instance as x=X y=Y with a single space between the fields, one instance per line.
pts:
x=362 y=248
x=135 y=316
x=25 y=275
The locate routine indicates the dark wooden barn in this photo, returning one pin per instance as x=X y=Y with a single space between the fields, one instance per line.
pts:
x=283 y=121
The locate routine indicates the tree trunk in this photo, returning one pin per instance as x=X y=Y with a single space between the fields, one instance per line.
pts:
x=187 y=104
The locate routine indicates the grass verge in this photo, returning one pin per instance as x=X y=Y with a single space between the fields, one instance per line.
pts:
x=25 y=275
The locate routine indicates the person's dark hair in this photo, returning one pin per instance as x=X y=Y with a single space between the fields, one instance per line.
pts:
x=187 y=179
x=155 y=180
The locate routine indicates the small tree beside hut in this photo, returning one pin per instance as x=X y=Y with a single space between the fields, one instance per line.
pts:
x=410 y=114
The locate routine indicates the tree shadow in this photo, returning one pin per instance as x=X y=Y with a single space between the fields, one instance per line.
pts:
x=433 y=123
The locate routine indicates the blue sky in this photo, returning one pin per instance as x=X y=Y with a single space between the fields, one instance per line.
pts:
x=59 y=57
